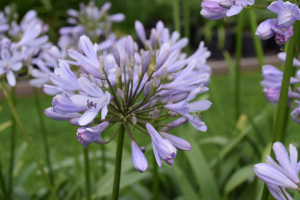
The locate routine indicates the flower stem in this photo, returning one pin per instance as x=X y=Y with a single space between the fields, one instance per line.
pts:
x=103 y=159
x=284 y=193
x=118 y=164
x=2 y=182
x=18 y=121
x=238 y=54
x=87 y=174
x=176 y=15
x=280 y=123
x=155 y=179
x=44 y=134
x=12 y=150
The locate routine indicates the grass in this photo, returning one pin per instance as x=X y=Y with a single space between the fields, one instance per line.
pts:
x=62 y=135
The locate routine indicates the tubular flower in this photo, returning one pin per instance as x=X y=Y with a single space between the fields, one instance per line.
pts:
x=284 y=174
x=131 y=88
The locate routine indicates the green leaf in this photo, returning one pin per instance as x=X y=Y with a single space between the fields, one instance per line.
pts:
x=239 y=177
x=186 y=188
x=203 y=175
x=220 y=140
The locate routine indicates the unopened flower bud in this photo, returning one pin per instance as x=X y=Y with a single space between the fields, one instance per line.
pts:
x=120 y=94
x=132 y=62
x=264 y=30
x=161 y=60
x=137 y=157
x=174 y=114
x=146 y=61
x=156 y=114
x=130 y=46
x=155 y=82
x=147 y=90
x=102 y=61
x=164 y=73
x=152 y=41
x=166 y=129
x=178 y=122
x=140 y=30
x=130 y=73
x=116 y=54
x=118 y=72
x=143 y=149
x=134 y=120
x=180 y=97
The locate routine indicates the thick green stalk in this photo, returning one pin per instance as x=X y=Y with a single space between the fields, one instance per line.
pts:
x=238 y=54
x=186 y=18
x=155 y=179
x=12 y=150
x=87 y=174
x=176 y=15
x=44 y=133
x=280 y=123
x=257 y=42
x=18 y=121
x=118 y=164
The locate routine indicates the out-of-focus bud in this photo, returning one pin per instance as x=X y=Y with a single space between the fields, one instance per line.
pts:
x=177 y=141
x=118 y=72
x=212 y=6
x=132 y=62
x=264 y=30
x=137 y=157
x=152 y=41
x=130 y=73
x=120 y=94
x=143 y=149
x=155 y=82
x=92 y=78
x=166 y=129
x=134 y=120
x=156 y=114
x=161 y=60
x=140 y=30
x=178 y=122
x=147 y=90
x=102 y=61
x=116 y=54
x=173 y=114
x=164 y=73
x=100 y=141
x=213 y=15
x=179 y=97
x=146 y=61
x=130 y=46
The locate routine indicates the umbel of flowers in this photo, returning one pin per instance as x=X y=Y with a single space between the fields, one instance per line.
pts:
x=135 y=90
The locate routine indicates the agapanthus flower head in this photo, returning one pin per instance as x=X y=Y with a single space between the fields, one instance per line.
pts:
x=92 y=21
x=285 y=174
x=132 y=89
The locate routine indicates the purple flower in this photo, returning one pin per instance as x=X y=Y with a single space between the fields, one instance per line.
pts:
x=295 y=114
x=94 y=100
x=282 y=35
x=264 y=30
x=237 y=6
x=212 y=6
x=91 y=134
x=50 y=112
x=285 y=174
x=282 y=57
x=287 y=12
x=177 y=141
x=31 y=36
x=8 y=64
x=162 y=148
x=213 y=15
x=276 y=192
x=138 y=159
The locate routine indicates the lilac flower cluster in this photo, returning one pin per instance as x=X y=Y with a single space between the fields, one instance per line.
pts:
x=284 y=175
x=21 y=44
x=218 y=9
x=92 y=22
x=282 y=26
x=272 y=78
x=135 y=89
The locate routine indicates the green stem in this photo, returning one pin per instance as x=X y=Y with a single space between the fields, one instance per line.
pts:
x=284 y=193
x=280 y=123
x=257 y=42
x=155 y=179
x=44 y=134
x=87 y=174
x=186 y=18
x=18 y=121
x=2 y=183
x=118 y=164
x=176 y=15
x=12 y=150
x=238 y=54
x=103 y=159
